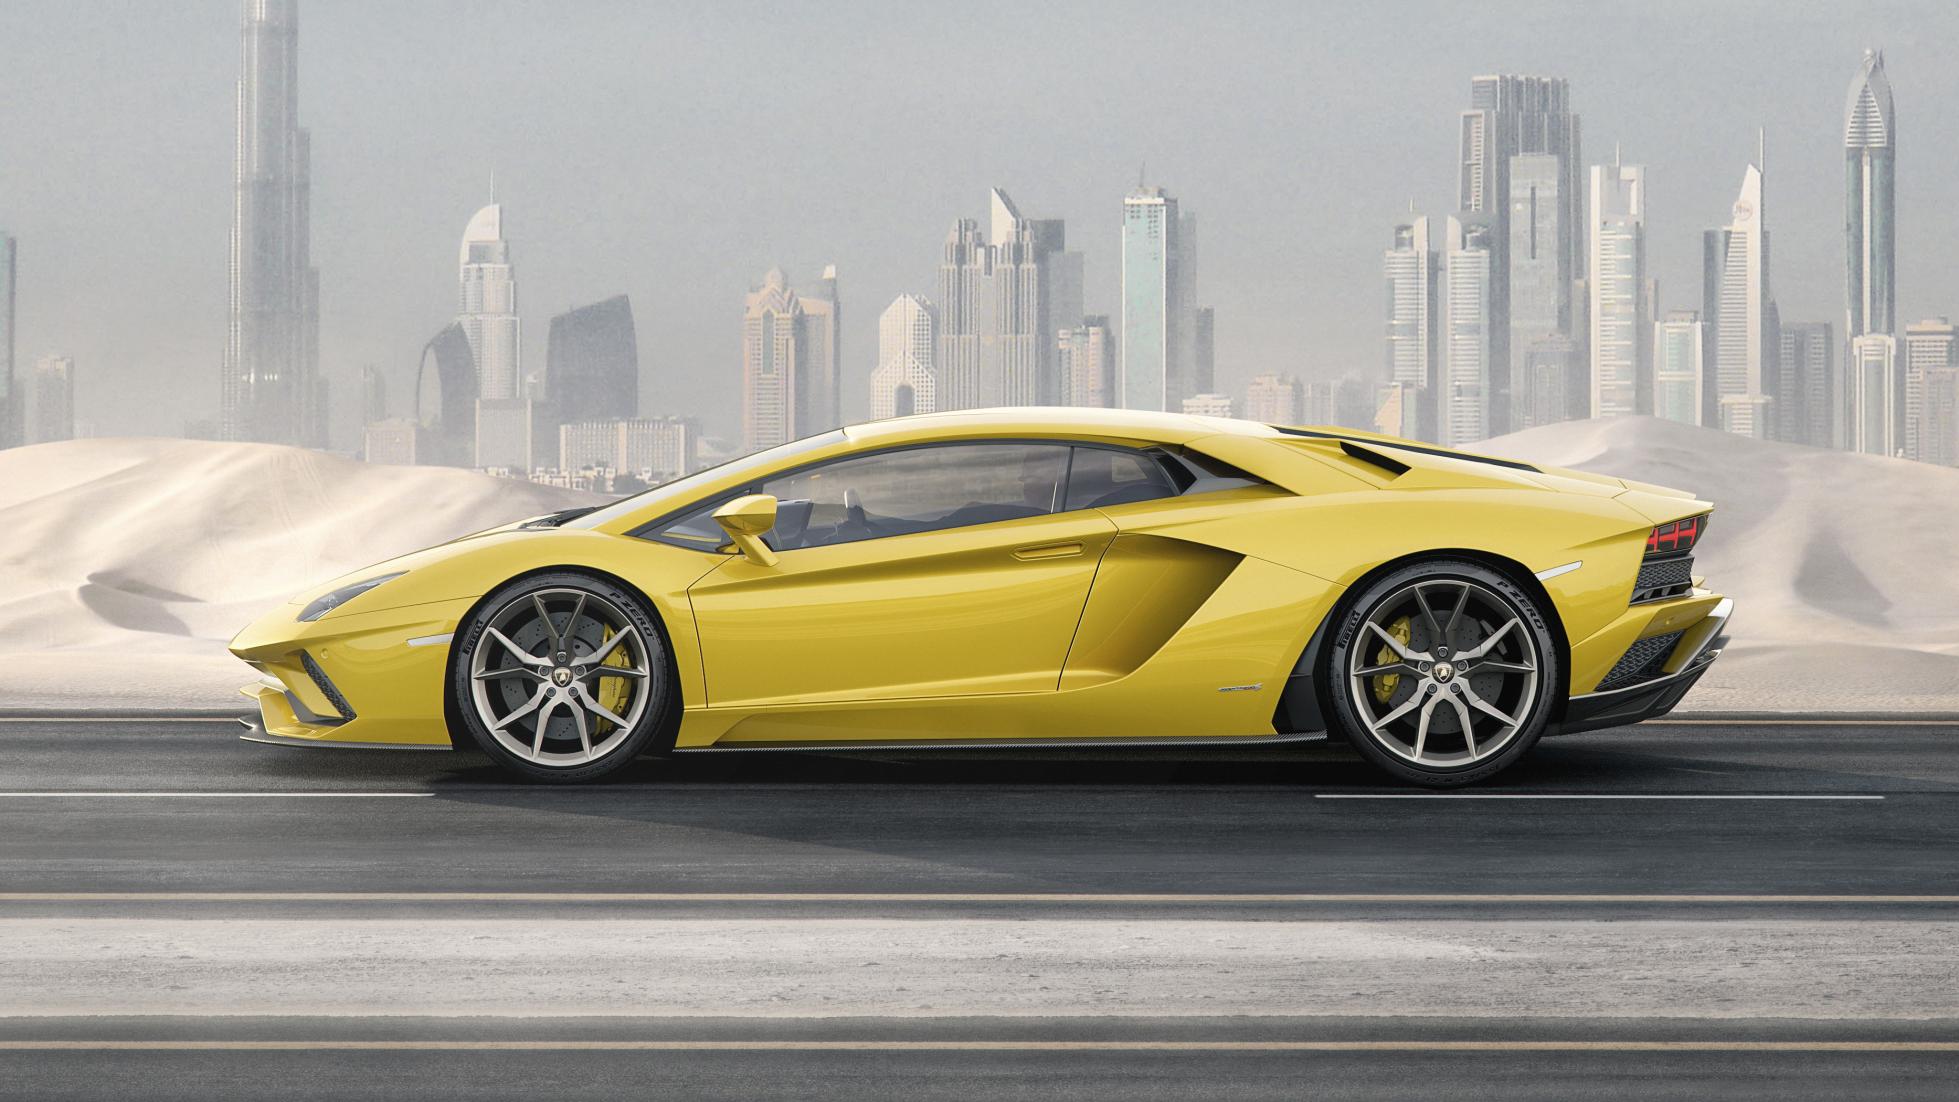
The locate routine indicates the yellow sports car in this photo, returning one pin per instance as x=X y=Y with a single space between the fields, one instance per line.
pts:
x=1022 y=577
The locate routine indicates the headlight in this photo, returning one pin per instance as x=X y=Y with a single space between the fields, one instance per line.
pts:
x=340 y=597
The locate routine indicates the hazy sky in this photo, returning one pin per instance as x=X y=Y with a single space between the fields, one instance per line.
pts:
x=676 y=152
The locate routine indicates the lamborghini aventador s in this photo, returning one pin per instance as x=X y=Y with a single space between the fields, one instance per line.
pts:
x=1022 y=577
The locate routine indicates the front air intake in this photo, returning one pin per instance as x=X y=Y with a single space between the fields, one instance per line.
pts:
x=326 y=686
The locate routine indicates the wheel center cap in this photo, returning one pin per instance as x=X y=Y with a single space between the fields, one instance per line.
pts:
x=561 y=676
x=1443 y=672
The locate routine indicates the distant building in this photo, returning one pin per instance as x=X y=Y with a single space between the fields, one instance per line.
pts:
x=1276 y=400
x=1001 y=288
x=654 y=449
x=591 y=363
x=789 y=359
x=1808 y=389
x=1929 y=345
x=1551 y=385
x=1938 y=417
x=1414 y=309
x=1510 y=119
x=1745 y=346
x=1204 y=370
x=1679 y=373
x=12 y=393
x=54 y=400
x=1156 y=351
x=1870 y=148
x=374 y=395
x=1542 y=275
x=1210 y=405
x=1401 y=409
x=1355 y=402
x=270 y=386
x=1463 y=415
x=904 y=382
x=445 y=400
x=1620 y=307
x=1877 y=385
x=1087 y=363
x=487 y=306
x=397 y=441
x=506 y=435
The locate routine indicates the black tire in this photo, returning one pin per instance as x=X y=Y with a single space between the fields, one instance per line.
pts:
x=603 y=611
x=1390 y=714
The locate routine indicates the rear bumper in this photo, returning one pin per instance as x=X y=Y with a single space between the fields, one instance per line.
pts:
x=1698 y=648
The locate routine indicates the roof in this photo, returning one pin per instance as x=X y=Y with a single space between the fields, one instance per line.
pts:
x=1169 y=428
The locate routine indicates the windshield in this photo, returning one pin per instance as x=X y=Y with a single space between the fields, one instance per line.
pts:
x=680 y=489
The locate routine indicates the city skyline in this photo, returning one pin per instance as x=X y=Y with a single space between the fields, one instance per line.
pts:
x=686 y=359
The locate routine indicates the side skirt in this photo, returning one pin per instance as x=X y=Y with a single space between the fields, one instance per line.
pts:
x=1015 y=744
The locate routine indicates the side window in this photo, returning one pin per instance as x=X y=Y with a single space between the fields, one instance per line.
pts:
x=915 y=490
x=1104 y=476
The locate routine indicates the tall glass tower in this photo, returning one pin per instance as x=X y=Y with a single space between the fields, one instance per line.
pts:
x=1870 y=150
x=270 y=384
x=1154 y=370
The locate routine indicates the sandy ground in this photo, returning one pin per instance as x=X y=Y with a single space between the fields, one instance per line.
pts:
x=892 y=967
x=125 y=565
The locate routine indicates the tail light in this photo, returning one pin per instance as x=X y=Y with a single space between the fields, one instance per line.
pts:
x=1676 y=538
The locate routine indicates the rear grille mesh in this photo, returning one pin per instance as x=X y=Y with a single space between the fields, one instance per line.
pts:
x=326 y=686
x=1660 y=579
x=1643 y=661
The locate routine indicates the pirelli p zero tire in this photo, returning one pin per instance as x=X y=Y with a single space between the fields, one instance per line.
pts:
x=1442 y=673
x=562 y=678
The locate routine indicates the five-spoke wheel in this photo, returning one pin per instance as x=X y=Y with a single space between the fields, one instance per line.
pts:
x=1442 y=672
x=562 y=677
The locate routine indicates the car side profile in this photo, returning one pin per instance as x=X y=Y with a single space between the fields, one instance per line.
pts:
x=1022 y=577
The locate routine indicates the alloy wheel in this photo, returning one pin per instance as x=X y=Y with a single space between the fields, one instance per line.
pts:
x=1444 y=672
x=560 y=677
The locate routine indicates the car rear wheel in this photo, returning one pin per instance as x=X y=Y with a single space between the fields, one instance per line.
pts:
x=1443 y=673
x=562 y=678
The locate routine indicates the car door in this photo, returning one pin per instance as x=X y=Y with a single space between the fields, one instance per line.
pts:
x=942 y=570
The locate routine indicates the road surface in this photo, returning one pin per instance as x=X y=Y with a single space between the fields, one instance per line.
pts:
x=1728 y=909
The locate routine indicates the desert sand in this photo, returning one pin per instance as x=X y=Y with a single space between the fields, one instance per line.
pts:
x=125 y=565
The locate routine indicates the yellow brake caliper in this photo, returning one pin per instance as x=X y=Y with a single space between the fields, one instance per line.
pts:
x=1385 y=684
x=612 y=691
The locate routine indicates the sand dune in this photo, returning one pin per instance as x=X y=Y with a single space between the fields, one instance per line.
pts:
x=126 y=564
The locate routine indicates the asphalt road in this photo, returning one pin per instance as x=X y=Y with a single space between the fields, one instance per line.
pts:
x=1692 y=910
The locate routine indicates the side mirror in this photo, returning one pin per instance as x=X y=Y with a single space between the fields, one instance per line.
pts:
x=745 y=519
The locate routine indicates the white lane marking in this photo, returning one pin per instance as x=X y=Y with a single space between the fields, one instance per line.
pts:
x=1189 y=898
x=226 y=718
x=975 y=1046
x=135 y=795
x=1563 y=796
x=1547 y=575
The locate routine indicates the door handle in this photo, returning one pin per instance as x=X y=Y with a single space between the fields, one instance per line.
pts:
x=1048 y=551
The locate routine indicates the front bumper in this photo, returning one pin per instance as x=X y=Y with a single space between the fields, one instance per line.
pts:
x=1699 y=646
x=373 y=679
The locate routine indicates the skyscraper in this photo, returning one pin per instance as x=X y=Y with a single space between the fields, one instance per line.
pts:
x=1679 y=374
x=1938 y=417
x=997 y=309
x=1275 y=400
x=1414 y=308
x=1542 y=274
x=1158 y=319
x=270 y=386
x=1204 y=349
x=903 y=382
x=1744 y=343
x=1509 y=117
x=1087 y=363
x=374 y=395
x=789 y=347
x=1870 y=147
x=11 y=392
x=54 y=400
x=1620 y=305
x=1807 y=386
x=487 y=305
x=445 y=404
x=591 y=363
x=1468 y=333
x=1875 y=416
x=1930 y=345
